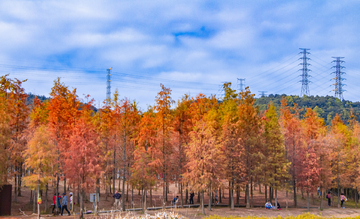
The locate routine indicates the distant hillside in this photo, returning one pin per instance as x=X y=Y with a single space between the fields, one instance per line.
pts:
x=326 y=107
x=31 y=97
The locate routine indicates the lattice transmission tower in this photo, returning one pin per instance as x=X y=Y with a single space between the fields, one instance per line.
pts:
x=241 y=84
x=262 y=93
x=305 y=72
x=338 y=77
x=108 y=85
x=221 y=91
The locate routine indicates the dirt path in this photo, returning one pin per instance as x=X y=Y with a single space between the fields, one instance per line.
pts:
x=105 y=203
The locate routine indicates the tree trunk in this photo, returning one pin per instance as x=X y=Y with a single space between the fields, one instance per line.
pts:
x=164 y=192
x=123 y=187
x=15 y=186
x=356 y=197
x=266 y=198
x=78 y=194
x=186 y=195
x=294 y=188
x=247 y=196
x=97 y=191
x=276 y=201
x=46 y=197
x=34 y=203
x=64 y=185
x=321 y=199
x=127 y=192
x=287 y=199
x=144 y=199
x=219 y=195
x=198 y=200
x=57 y=193
x=19 y=180
x=181 y=195
x=202 y=203
x=308 y=201
x=31 y=198
x=232 y=196
x=229 y=194
x=259 y=188
x=82 y=204
x=38 y=192
x=132 y=197
x=252 y=193
x=210 y=197
x=151 y=204
x=237 y=195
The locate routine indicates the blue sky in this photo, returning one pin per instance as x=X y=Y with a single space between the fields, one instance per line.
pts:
x=190 y=46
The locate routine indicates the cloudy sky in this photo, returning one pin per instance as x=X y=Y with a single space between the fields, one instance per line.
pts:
x=190 y=46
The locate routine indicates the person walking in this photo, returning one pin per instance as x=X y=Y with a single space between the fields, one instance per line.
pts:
x=192 y=194
x=175 y=200
x=59 y=204
x=216 y=199
x=343 y=199
x=328 y=196
x=117 y=197
x=64 y=204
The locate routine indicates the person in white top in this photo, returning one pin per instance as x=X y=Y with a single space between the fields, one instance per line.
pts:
x=71 y=201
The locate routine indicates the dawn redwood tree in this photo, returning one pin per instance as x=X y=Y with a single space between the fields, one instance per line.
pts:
x=40 y=156
x=309 y=176
x=19 y=119
x=148 y=140
x=353 y=156
x=63 y=114
x=126 y=117
x=249 y=132
x=205 y=166
x=182 y=127
x=83 y=158
x=340 y=137
x=104 y=122
x=16 y=112
x=4 y=140
x=164 y=119
x=230 y=143
x=292 y=131
x=276 y=163
x=143 y=169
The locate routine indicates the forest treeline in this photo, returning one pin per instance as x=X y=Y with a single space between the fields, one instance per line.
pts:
x=200 y=143
x=326 y=107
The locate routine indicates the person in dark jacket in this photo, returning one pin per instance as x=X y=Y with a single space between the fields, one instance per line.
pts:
x=117 y=197
x=64 y=204
x=328 y=196
x=192 y=195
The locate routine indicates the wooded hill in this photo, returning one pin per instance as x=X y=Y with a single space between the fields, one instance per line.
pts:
x=326 y=107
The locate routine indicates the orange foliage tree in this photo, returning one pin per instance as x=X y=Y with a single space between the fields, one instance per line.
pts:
x=205 y=166
x=83 y=159
x=163 y=120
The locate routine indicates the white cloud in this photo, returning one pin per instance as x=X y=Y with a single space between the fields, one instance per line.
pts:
x=215 y=42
